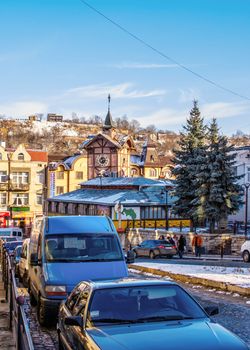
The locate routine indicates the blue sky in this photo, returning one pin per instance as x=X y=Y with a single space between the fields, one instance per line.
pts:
x=58 y=56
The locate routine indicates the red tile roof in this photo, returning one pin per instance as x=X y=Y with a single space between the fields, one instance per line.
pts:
x=38 y=156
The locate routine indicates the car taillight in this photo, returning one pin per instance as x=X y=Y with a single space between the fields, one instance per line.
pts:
x=161 y=246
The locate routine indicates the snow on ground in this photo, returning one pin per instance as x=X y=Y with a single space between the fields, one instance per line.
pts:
x=233 y=275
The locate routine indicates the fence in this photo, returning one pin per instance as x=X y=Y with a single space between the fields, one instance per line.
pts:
x=17 y=319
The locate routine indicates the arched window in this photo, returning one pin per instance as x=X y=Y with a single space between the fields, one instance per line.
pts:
x=153 y=173
x=133 y=172
x=152 y=158
x=20 y=156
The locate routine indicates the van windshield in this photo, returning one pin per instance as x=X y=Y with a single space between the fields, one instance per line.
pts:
x=82 y=247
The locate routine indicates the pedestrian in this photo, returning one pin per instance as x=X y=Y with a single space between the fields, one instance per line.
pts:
x=170 y=239
x=181 y=246
x=162 y=238
x=197 y=244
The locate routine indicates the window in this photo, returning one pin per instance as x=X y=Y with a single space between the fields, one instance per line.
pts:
x=20 y=156
x=20 y=198
x=39 y=199
x=1 y=156
x=40 y=177
x=152 y=173
x=20 y=178
x=3 y=198
x=133 y=172
x=153 y=213
x=248 y=174
x=59 y=189
x=60 y=175
x=3 y=176
x=79 y=175
x=152 y=158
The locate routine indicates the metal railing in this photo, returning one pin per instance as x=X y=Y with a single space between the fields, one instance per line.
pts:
x=17 y=318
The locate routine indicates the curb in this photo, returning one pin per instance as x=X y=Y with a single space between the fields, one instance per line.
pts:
x=195 y=280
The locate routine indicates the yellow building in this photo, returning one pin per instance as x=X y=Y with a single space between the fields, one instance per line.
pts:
x=22 y=184
x=66 y=175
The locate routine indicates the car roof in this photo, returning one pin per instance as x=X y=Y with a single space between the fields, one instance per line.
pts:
x=128 y=282
x=79 y=224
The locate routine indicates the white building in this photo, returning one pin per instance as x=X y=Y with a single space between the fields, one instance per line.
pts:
x=242 y=168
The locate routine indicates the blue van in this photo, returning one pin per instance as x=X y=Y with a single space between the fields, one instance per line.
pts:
x=65 y=250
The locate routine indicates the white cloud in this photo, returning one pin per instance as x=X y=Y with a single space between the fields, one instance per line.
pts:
x=22 y=108
x=188 y=95
x=221 y=110
x=137 y=65
x=125 y=90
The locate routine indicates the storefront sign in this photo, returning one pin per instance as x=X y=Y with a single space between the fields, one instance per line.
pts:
x=22 y=209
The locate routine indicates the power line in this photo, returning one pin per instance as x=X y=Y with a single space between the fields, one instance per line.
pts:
x=163 y=54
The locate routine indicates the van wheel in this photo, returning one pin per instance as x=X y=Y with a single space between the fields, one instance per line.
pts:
x=43 y=315
x=25 y=279
x=151 y=254
x=246 y=256
x=33 y=301
x=60 y=345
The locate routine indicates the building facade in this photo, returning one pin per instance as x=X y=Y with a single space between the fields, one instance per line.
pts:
x=22 y=185
x=242 y=167
x=130 y=202
x=107 y=154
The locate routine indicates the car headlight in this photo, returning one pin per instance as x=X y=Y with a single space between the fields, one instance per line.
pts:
x=55 y=290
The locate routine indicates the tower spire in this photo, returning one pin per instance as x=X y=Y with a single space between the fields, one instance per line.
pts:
x=108 y=123
x=109 y=98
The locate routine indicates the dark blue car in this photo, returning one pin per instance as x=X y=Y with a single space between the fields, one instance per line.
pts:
x=139 y=314
x=11 y=246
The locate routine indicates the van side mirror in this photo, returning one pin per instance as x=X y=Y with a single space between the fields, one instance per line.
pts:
x=33 y=259
x=211 y=310
x=130 y=258
x=73 y=321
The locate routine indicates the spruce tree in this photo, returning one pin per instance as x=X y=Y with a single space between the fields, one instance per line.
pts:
x=222 y=195
x=188 y=160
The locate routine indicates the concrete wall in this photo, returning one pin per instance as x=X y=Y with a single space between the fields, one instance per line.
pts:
x=211 y=242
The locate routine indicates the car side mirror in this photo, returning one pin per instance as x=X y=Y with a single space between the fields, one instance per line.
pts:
x=73 y=321
x=130 y=258
x=33 y=259
x=211 y=310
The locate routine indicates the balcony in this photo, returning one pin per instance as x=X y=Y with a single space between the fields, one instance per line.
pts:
x=3 y=186
x=19 y=187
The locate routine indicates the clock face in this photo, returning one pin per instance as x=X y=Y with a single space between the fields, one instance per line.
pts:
x=102 y=160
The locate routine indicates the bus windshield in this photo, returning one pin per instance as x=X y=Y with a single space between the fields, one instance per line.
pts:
x=82 y=247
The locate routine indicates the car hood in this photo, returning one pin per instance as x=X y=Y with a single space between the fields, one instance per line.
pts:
x=71 y=273
x=183 y=335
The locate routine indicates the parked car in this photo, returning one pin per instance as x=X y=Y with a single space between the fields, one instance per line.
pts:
x=16 y=258
x=65 y=250
x=155 y=248
x=23 y=267
x=139 y=314
x=245 y=250
x=10 y=246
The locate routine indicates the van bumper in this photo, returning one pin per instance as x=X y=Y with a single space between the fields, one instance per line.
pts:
x=51 y=305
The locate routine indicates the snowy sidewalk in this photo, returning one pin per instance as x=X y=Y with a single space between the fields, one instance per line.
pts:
x=235 y=279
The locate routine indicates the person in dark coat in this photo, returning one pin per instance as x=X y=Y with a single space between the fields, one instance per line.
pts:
x=181 y=245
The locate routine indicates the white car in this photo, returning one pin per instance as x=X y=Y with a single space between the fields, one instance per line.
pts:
x=23 y=265
x=245 y=251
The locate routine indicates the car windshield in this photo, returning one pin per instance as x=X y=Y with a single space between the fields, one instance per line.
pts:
x=142 y=304
x=82 y=247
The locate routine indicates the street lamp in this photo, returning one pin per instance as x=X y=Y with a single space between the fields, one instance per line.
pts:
x=246 y=186
x=166 y=203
